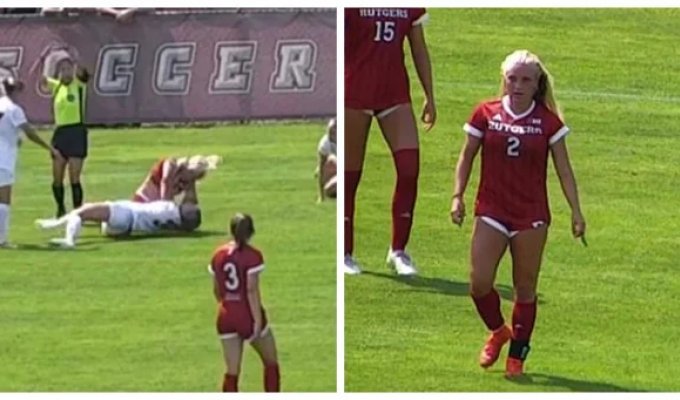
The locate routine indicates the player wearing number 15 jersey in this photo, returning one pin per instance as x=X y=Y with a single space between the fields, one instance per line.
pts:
x=377 y=85
x=236 y=267
x=515 y=133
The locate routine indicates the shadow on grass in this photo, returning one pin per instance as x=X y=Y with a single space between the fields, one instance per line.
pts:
x=48 y=247
x=568 y=384
x=443 y=286
x=166 y=235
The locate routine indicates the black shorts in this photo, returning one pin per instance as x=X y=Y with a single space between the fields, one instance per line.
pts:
x=71 y=140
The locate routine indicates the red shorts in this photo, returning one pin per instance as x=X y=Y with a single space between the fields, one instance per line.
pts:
x=238 y=323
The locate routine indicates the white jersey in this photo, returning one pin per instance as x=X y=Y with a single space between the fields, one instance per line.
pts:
x=11 y=117
x=154 y=216
x=326 y=147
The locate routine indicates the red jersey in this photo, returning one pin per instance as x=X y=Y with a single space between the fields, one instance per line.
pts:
x=512 y=187
x=375 y=73
x=156 y=173
x=232 y=267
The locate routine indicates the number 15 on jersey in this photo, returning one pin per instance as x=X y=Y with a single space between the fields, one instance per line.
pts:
x=384 y=31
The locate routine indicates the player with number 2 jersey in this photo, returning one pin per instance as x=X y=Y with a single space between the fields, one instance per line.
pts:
x=515 y=133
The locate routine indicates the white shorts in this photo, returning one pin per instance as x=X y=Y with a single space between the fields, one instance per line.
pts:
x=380 y=114
x=121 y=218
x=6 y=177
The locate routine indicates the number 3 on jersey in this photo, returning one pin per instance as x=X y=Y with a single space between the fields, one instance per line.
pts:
x=384 y=31
x=231 y=282
x=513 y=146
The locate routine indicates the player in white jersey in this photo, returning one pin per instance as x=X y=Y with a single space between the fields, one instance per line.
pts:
x=12 y=122
x=121 y=218
x=326 y=171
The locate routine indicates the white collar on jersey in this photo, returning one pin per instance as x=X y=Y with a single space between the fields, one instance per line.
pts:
x=506 y=106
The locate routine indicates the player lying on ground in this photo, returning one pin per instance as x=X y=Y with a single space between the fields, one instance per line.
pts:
x=170 y=176
x=326 y=171
x=121 y=218
x=236 y=268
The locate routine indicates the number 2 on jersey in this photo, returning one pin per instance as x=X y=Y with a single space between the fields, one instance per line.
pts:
x=231 y=282
x=513 y=146
x=384 y=31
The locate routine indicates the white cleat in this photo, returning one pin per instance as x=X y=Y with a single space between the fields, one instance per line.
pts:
x=49 y=223
x=401 y=262
x=351 y=266
x=63 y=243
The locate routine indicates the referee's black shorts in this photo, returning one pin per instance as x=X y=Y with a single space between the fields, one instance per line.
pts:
x=71 y=140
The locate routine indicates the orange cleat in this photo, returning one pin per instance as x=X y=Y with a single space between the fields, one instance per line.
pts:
x=514 y=368
x=494 y=345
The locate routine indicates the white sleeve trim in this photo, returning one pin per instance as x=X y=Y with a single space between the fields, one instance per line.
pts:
x=471 y=130
x=424 y=19
x=255 y=270
x=559 y=135
x=210 y=270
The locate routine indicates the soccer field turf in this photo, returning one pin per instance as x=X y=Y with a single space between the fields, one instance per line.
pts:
x=607 y=314
x=139 y=315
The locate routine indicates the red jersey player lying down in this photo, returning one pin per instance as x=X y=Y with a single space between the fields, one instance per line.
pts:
x=169 y=177
x=236 y=268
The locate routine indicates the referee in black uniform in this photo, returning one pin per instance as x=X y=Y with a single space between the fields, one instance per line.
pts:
x=69 y=91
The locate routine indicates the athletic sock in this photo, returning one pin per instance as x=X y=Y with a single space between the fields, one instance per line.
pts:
x=73 y=225
x=272 y=378
x=4 y=222
x=489 y=308
x=77 y=195
x=406 y=163
x=230 y=383
x=58 y=193
x=352 y=179
x=523 y=319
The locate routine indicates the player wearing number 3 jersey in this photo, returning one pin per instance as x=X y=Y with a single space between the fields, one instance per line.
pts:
x=515 y=133
x=377 y=85
x=236 y=267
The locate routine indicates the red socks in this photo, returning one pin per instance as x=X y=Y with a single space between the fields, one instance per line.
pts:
x=351 y=183
x=230 y=383
x=406 y=163
x=523 y=318
x=272 y=378
x=489 y=308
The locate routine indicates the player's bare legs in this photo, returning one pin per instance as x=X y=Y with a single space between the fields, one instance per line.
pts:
x=5 y=202
x=357 y=126
x=488 y=247
x=527 y=251
x=75 y=168
x=58 y=169
x=398 y=126
x=232 y=349
x=266 y=348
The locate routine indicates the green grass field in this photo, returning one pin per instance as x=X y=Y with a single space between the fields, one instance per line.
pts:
x=607 y=317
x=139 y=315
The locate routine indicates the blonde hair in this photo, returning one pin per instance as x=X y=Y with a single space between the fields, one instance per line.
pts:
x=545 y=93
x=200 y=163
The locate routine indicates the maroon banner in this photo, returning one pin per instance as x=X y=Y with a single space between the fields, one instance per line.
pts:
x=183 y=67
